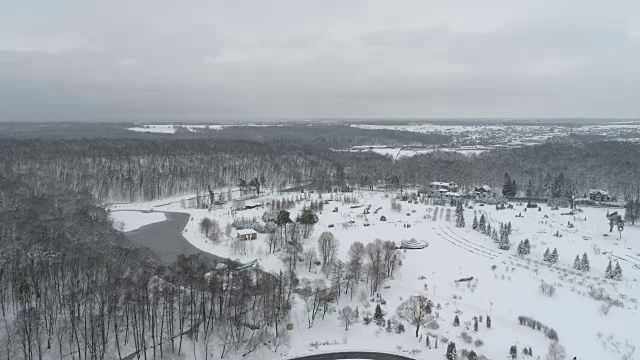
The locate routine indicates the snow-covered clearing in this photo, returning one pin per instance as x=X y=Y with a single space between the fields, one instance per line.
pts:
x=504 y=285
x=397 y=153
x=170 y=129
x=132 y=220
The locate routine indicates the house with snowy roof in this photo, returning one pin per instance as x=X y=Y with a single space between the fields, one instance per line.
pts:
x=599 y=195
x=247 y=234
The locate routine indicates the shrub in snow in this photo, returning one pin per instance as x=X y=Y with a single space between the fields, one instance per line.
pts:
x=547 y=289
x=466 y=337
x=432 y=324
x=478 y=343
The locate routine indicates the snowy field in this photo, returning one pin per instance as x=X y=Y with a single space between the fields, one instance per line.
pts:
x=171 y=129
x=397 y=153
x=504 y=286
x=132 y=220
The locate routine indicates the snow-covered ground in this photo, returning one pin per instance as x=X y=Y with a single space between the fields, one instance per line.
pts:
x=397 y=153
x=170 y=129
x=132 y=220
x=505 y=285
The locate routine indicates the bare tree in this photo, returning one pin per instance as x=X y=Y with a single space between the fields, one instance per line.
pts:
x=414 y=311
x=347 y=316
x=556 y=351
x=327 y=247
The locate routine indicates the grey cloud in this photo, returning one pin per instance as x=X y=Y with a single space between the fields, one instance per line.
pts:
x=207 y=60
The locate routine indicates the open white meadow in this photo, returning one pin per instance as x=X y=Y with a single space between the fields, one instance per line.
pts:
x=504 y=286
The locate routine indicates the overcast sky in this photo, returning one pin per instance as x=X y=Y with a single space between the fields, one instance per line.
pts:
x=209 y=59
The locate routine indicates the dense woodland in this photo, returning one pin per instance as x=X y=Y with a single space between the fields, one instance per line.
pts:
x=146 y=169
x=73 y=287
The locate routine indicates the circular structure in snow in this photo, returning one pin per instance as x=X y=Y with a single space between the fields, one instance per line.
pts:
x=413 y=244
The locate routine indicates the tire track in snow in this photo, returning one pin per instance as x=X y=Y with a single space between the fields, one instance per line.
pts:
x=497 y=253
x=623 y=259
x=469 y=244
x=461 y=245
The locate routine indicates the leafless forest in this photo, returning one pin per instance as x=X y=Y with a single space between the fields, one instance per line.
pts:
x=71 y=285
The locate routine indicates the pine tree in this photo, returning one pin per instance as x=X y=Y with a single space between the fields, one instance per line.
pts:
x=456 y=321
x=530 y=351
x=475 y=325
x=617 y=272
x=460 y=215
x=474 y=225
x=509 y=228
x=378 y=316
x=506 y=186
x=546 y=255
x=608 y=272
x=435 y=343
x=494 y=236
x=504 y=240
x=553 y=258
x=584 y=263
x=488 y=229
x=577 y=263
x=488 y=322
x=526 y=246
x=513 y=351
x=482 y=224
x=428 y=344
x=520 y=250
x=452 y=354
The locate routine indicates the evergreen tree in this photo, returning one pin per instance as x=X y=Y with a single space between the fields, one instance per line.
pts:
x=459 y=215
x=530 y=351
x=584 y=263
x=553 y=258
x=509 y=228
x=378 y=312
x=504 y=240
x=488 y=322
x=526 y=246
x=506 y=186
x=482 y=224
x=520 y=250
x=435 y=342
x=546 y=255
x=525 y=351
x=514 y=188
x=474 y=225
x=428 y=344
x=577 y=263
x=529 y=191
x=488 y=230
x=389 y=325
x=617 y=272
x=632 y=211
x=608 y=272
x=475 y=324
x=513 y=352
x=456 y=321
x=472 y=355
x=452 y=354
x=494 y=236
